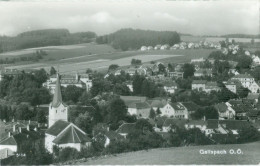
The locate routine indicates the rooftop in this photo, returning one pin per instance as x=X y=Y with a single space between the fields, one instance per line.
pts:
x=57 y=127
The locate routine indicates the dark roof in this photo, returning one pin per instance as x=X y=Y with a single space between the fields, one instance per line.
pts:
x=139 y=105
x=132 y=99
x=199 y=82
x=230 y=124
x=178 y=122
x=57 y=127
x=126 y=128
x=197 y=122
x=158 y=103
x=206 y=71
x=253 y=113
x=211 y=84
x=221 y=107
x=72 y=135
x=177 y=106
x=8 y=141
x=253 y=96
x=243 y=76
x=191 y=106
x=57 y=99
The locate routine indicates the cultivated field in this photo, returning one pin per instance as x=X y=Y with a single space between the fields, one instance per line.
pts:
x=99 y=57
x=185 y=155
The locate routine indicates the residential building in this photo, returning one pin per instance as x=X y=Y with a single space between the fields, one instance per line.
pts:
x=175 y=110
x=8 y=146
x=233 y=85
x=203 y=73
x=140 y=109
x=170 y=87
x=125 y=129
x=176 y=74
x=245 y=79
x=254 y=87
x=110 y=136
x=225 y=111
x=172 y=124
x=9 y=72
x=200 y=124
x=198 y=85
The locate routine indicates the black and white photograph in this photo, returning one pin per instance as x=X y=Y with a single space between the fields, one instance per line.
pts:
x=129 y=82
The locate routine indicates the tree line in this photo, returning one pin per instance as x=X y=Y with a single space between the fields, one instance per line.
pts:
x=132 y=39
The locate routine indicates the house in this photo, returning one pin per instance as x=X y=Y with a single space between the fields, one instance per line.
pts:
x=254 y=87
x=170 y=86
x=8 y=146
x=197 y=60
x=110 y=136
x=190 y=106
x=62 y=133
x=125 y=129
x=211 y=86
x=143 y=48
x=79 y=80
x=179 y=67
x=173 y=124
x=245 y=79
x=233 y=85
x=198 y=85
x=176 y=74
x=253 y=114
x=225 y=111
x=140 y=109
x=157 y=47
x=200 y=124
x=150 y=48
x=203 y=72
x=157 y=103
x=175 y=110
x=233 y=71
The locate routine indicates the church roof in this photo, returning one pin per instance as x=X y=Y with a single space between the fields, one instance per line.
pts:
x=57 y=127
x=57 y=98
x=71 y=135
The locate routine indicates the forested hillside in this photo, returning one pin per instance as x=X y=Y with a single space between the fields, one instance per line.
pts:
x=47 y=37
x=129 y=39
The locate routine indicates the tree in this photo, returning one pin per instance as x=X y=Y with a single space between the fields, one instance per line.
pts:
x=136 y=62
x=116 y=111
x=188 y=70
x=41 y=116
x=162 y=68
x=83 y=121
x=137 y=84
x=53 y=71
x=72 y=93
x=113 y=67
x=40 y=76
x=158 y=111
x=152 y=114
x=242 y=92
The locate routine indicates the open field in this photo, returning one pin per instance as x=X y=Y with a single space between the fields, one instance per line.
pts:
x=185 y=155
x=103 y=60
x=73 y=58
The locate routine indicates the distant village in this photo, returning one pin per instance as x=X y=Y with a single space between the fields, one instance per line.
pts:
x=216 y=97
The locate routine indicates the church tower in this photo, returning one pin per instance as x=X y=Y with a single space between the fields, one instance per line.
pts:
x=57 y=109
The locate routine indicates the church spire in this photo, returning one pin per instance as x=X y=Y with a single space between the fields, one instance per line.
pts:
x=57 y=99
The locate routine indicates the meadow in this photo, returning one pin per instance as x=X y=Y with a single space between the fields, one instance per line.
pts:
x=185 y=155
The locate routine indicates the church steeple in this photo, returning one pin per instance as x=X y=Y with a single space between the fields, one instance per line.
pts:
x=57 y=98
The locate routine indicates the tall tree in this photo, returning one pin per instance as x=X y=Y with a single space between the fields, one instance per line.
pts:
x=188 y=70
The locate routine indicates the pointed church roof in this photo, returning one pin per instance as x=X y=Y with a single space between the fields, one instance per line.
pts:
x=57 y=99
x=72 y=135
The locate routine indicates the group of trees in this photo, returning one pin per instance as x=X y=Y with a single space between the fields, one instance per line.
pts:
x=129 y=39
x=47 y=37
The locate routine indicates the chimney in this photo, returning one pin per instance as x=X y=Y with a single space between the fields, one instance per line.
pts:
x=13 y=120
x=35 y=129
x=14 y=128
x=9 y=134
x=28 y=127
x=4 y=121
x=20 y=130
x=107 y=128
x=204 y=118
x=29 y=121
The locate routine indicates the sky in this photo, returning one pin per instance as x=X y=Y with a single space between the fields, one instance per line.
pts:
x=216 y=17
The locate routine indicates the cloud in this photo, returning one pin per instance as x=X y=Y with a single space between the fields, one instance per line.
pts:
x=106 y=16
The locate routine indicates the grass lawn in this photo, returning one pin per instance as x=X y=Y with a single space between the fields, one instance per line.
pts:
x=184 y=155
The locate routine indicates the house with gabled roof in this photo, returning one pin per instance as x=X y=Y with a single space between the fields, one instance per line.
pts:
x=140 y=109
x=203 y=72
x=8 y=146
x=245 y=79
x=254 y=87
x=125 y=129
x=173 y=124
x=175 y=110
x=233 y=85
x=200 y=124
x=225 y=111
x=109 y=137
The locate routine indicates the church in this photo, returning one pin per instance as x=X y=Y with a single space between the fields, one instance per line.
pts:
x=60 y=132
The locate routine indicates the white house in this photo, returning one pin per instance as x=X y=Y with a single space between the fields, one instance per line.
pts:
x=245 y=79
x=140 y=109
x=8 y=146
x=143 y=48
x=254 y=87
x=170 y=87
x=200 y=124
x=175 y=110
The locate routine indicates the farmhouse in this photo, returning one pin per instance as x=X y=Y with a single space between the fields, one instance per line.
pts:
x=175 y=110
x=225 y=111
x=176 y=74
x=203 y=85
x=8 y=146
x=141 y=109
x=254 y=87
